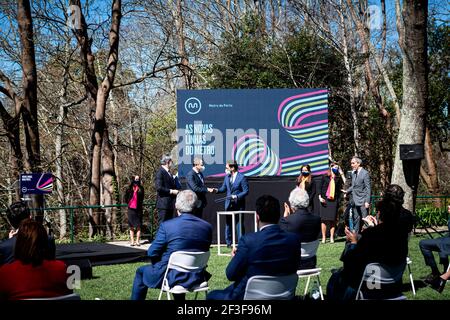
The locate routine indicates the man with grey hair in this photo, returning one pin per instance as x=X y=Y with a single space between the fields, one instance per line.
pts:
x=196 y=182
x=183 y=233
x=360 y=191
x=166 y=189
x=299 y=220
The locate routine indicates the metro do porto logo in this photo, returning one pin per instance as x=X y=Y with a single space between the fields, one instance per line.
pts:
x=193 y=105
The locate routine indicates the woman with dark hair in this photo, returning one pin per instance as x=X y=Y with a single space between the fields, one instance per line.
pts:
x=134 y=198
x=33 y=274
x=330 y=194
x=384 y=243
x=306 y=182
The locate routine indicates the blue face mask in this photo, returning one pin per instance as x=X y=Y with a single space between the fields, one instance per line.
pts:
x=305 y=173
x=335 y=170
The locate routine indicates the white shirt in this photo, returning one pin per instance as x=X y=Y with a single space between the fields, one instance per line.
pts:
x=267 y=225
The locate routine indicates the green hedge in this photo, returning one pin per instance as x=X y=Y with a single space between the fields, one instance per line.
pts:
x=429 y=216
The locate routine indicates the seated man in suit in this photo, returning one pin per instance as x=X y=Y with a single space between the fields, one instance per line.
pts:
x=196 y=182
x=271 y=251
x=299 y=220
x=184 y=233
x=442 y=247
x=15 y=214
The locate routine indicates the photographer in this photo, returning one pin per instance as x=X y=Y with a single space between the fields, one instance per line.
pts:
x=15 y=214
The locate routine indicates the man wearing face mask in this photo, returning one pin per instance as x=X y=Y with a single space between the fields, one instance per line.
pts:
x=195 y=181
x=360 y=192
x=236 y=186
x=166 y=188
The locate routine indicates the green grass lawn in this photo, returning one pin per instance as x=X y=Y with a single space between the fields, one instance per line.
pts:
x=114 y=282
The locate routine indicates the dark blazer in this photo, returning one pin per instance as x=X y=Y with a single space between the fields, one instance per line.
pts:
x=382 y=243
x=140 y=196
x=183 y=233
x=270 y=251
x=302 y=222
x=239 y=188
x=338 y=186
x=164 y=182
x=307 y=227
x=195 y=184
x=360 y=188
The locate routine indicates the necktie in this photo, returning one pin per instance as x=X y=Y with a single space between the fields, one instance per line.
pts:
x=200 y=176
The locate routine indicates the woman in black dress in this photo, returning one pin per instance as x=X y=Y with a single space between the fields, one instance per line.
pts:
x=329 y=198
x=134 y=197
x=306 y=182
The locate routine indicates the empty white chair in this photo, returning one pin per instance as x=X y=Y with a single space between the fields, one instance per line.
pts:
x=309 y=250
x=71 y=296
x=185 y=261
x=271 y=287
x=377 y=274
x=408 y=264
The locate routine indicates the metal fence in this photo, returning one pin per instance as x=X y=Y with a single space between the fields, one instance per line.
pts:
x=77 y=220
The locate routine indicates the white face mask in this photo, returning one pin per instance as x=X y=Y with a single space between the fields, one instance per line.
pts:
x=227 y=171
x=201 y=168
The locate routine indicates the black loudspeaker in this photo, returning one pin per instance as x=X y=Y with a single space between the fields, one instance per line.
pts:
x=85 y=267
x=411 y=151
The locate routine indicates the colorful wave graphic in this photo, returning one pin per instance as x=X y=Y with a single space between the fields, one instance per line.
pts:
x=305 y=118
x=294 y=113
x=46 y=186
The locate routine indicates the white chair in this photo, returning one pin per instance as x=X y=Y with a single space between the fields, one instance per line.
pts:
x=408 y=264
x=71 y=296
x=309 y=250
x=271 y=287
x=377 y=274
x=185 y=261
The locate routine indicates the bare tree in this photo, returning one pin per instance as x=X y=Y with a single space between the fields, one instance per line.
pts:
x=412 y=31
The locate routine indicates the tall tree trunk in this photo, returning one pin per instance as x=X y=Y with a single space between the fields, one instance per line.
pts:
x=29 y=102
x=350 y=85
x=430 y=175
x=179 y=24
x=59 y=144
x=108 y=177
x=12 y=129
x=412 y=31
x=98 y=97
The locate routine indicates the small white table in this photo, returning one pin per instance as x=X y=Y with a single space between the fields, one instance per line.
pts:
x=233 y=227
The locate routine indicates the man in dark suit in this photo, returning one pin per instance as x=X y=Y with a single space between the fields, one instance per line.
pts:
x=183 y=233
x=271 y=251
x=442 y=247
x=299 y=220
x=236 y=186
x=15 y=214
x=196 y=182
x=360 y=193
x=166 y=189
